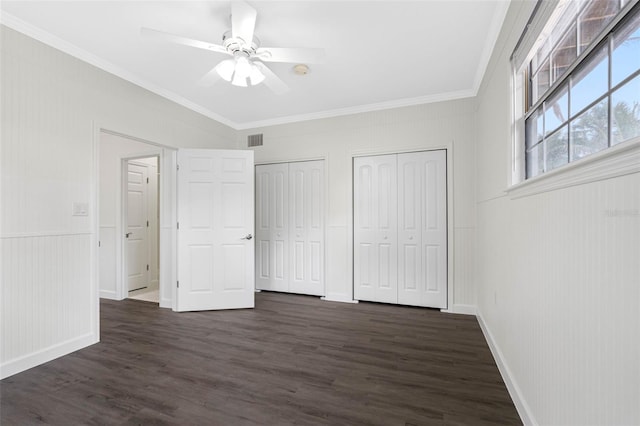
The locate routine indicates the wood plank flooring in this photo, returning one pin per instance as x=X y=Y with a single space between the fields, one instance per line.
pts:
x=291 y=360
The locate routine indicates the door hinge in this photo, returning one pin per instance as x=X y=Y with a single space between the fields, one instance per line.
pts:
x=147 y=224
x=147 y=267
x=147 y=180
x=177 y=166
x=178 y=225
x=99 y=244
x=178 y=283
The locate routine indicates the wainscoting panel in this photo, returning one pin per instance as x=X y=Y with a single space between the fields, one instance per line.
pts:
x=47 y=299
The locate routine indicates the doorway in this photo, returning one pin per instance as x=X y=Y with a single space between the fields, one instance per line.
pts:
x=142 y=214
x=115 y=151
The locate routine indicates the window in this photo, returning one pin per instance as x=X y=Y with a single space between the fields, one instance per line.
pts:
x=581 y=90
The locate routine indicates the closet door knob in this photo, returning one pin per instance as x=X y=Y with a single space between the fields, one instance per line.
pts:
x=248 y=237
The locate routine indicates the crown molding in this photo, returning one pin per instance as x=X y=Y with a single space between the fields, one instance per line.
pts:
x=400 y=103
x=490 y=43
x=49 y=39
x=73 y=50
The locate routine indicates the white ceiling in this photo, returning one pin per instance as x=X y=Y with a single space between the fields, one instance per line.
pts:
x=379 y=54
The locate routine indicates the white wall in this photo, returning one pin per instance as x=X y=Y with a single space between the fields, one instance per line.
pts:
x=447 y=124
x=51 y=106
x=558 y=275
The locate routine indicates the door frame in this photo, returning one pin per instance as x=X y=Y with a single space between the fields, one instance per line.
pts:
x=448 y=148
x=167 y=204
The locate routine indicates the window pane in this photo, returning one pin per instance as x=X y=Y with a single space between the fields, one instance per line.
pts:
x=556 y=111
x=594 y=18
x=540 y=81
x=557 y=147
x=534 y=128
x=564 y=54
x=625 y=58
x=625 y=121
x=535 y=161
x=590 y=82
x=590 y=131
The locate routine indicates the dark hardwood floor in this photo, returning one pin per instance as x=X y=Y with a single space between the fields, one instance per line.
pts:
x=291 y=360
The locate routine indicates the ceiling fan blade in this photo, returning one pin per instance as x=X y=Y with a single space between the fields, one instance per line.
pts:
x=160 y=35
x=291 y=54
x=271 y=80
x=243 y=21
x=211 y=77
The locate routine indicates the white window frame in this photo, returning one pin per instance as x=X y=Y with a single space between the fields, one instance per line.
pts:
x=617 y=160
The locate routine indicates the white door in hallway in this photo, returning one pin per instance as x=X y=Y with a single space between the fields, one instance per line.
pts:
x=136 y=226
x=290 y=227
x=215 y=229
x=400 y=228
x=375 y=230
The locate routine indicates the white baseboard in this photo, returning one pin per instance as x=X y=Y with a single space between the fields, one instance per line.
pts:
x=166 y=303
x=461 y=309
x=26 y=362
x=338 y=298
x=107 y=294
x=514 y=390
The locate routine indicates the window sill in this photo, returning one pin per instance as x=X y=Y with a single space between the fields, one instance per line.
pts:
x=620 y=160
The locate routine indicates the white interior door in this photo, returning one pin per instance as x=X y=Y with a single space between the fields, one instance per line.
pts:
x=136 y=234
x=422 y=229
x=400 y=229
x=272 y=227
x=433 y=173
x=215 y=235
x=306 y=212
x=375 y=229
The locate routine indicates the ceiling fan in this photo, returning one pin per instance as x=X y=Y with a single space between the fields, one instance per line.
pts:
x=246 y=67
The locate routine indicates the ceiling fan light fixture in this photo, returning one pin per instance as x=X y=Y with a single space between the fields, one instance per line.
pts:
x=239 y=80
x=243 y=67
x=226 y=68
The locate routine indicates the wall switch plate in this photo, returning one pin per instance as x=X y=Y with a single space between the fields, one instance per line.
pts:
x=80 y=209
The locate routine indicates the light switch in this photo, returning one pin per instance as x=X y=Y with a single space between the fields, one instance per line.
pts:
x=80 y=209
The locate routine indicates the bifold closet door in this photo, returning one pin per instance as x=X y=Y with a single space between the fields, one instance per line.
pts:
x=400 y=229
x=422 y=229
x=306 y=219
x=272 y=227
x=375 y=228
x=290 y=227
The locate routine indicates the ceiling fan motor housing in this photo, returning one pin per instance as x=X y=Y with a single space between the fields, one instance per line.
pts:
x=237 y=46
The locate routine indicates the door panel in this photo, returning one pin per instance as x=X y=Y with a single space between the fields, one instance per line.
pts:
x=272 y=232
x=434 y=232
x=423 y=227
x=375 y=229
x=215 y=216
x=306 y=183
x=409 y=228
x=137 y=238
x=400 y=229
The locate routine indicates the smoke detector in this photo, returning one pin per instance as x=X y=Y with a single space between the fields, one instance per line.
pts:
x=301 y=69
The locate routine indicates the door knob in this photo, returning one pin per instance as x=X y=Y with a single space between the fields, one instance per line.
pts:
x=248 y=237
x=127 y=234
